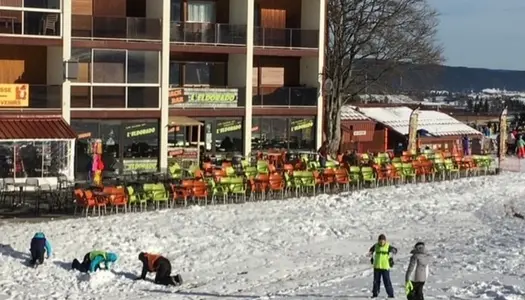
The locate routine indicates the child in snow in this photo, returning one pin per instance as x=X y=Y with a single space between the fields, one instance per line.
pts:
x=92 y=261
x=160 y=265
x=39 y=246
x=382 y=262
x=417 y=272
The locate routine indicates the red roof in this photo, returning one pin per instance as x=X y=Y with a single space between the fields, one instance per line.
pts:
x=35 y=127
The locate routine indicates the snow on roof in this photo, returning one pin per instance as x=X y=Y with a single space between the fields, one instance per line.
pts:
x=435 y=122
x=348 y=112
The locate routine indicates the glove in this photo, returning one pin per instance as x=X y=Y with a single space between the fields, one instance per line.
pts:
x=372 y=261
x=409 y=287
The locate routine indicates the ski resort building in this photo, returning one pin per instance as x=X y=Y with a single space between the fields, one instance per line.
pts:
x=161 y=79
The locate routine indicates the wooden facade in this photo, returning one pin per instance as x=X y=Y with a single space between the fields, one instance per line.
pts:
x=23 y=64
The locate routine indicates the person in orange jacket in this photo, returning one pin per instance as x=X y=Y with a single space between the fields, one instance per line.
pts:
x=161 y=266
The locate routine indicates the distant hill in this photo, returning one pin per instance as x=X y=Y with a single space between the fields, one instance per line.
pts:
x=411 y=77
x=458 y=79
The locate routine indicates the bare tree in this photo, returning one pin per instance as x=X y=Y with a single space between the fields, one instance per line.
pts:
x=368 y=39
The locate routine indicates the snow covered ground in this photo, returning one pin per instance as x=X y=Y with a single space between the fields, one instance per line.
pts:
x=297 y=249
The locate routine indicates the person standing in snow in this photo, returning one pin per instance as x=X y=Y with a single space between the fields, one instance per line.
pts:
x=39 y=246
x=417 y=272
x=160 y=265
x=92 y=261
x=382 y=262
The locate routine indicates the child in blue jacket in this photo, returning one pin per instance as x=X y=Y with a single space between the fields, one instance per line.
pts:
x=92 y=260
x=39 y=246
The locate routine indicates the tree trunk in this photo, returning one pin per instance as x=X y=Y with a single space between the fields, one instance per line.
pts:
x=333 y=123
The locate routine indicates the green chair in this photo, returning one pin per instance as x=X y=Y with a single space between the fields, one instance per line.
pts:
x=216 y=191
x=331 y=164
x=175 y=171
x=355 y=176
x=250 y=172
x=307 y=181
x=237 y=187
x=409 y=173
x=157 y=193
x=135 y=198
x=439 y=168
x=368 y=175
x=451 y=169
x=262 y=167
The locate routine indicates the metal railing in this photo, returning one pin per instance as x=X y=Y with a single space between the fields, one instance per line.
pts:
x=286 y=38
x=45 y=96
x=115 y=28
x=208 y=33
x=285 y=96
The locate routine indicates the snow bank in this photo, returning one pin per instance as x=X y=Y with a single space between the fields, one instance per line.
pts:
x=302 y=248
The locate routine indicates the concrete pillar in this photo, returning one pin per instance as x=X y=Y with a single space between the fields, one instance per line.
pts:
x=164 y=65
x=66 y=56
x=250 y=8
x=313 y=17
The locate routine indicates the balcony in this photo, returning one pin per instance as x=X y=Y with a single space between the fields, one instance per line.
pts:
x=205 y=97
x=208 y=33
x=284 y=96
x=30 y=23
x=115 y=28
x=40 y=97
x=286 y=38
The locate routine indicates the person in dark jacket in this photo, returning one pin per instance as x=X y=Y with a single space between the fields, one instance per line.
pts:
x=39 y=246
x=417 y=272
x=161 y=266
x=382 y=262
x=92 y=260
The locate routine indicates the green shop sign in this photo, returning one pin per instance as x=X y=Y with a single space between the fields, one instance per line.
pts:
x=228 y=126
x=299 y=125
x=203 y=97
x=140 y=164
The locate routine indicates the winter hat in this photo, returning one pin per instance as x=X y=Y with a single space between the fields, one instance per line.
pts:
x=419 y=244
x=381 y=237
x=142 y=255
x=112 y=256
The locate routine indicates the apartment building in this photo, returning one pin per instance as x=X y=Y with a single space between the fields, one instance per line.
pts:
x=154 y=79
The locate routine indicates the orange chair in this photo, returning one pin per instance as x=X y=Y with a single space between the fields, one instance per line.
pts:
x=342 y=179
x=118 y=199
x=208 y=169
x=200 y=192
x=83 y=203
x=329 y=178
x=100 y=202
x=276 y=184
x=182 y=191
x=259 y=186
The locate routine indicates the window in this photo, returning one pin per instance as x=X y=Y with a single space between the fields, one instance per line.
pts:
x=29 y=159
x=143 y=67
x=228 y=135
x=109 y=66
x=142 y=97
x=302 y=133
x=175 y=79
x=47 y=4
x=283 y=133
x=56 y=158
x=83 y=56
x=205 y=73
x=175 y=10
x=109 y=97
x=140 y=145
x=201 y=11
x=41 y=23
x=109 y=134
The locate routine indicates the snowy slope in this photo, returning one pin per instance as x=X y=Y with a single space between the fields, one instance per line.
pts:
x=295 y=249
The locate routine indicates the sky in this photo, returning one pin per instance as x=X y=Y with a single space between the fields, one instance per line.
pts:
x=482 y=33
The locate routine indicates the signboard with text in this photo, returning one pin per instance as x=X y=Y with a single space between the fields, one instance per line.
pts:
x=14 y=95
x=203 y=97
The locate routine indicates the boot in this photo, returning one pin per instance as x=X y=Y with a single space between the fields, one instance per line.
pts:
x=177 y=280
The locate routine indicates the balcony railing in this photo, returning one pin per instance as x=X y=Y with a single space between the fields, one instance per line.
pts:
x=208 y=33
x=30 y=23
x=45 y=96
x=285 y=96
x=124 y=28
x=286 y=38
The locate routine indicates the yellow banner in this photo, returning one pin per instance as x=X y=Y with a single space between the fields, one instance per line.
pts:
x=412 y=131
x=14 y=95
x=503 y=132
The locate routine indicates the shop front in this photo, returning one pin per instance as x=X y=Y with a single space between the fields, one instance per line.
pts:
x=281 y=133
x=127 y=145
